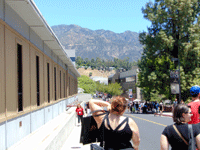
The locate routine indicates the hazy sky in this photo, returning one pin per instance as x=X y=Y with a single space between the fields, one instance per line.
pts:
x=114 y=15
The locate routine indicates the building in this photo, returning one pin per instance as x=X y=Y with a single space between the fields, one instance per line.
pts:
x=71 y=54
x=100 y=79
x=127 y=80
x=37 y=78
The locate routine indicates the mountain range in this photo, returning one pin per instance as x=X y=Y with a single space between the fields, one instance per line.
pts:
x=101 y=43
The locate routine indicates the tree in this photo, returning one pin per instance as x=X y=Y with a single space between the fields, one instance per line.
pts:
x=174 y=32
x=98 y=62
x=87 y=84
x=113 y=88
x=79 y=61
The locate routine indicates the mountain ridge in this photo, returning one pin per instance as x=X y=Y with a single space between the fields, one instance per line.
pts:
x=100 y=43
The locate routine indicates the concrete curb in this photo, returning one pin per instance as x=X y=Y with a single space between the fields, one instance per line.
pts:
x=165 y=115
x=65 y=131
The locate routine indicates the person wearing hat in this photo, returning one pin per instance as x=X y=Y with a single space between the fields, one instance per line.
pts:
x=195 y=104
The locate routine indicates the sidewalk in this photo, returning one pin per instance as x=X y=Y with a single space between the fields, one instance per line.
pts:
x=73 y=141
x=44 y=135
x=165 y=114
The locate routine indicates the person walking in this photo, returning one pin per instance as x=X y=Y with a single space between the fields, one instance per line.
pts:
x=182 y=102
x=181 y=117
x=195 y=104
x=156 y=107
x=87 y=109
x=80 y=113
x=174 y=103
x=118 y=130
x=145 y=108
x=140 y=108
x=133 y=107
x=137 y=107
x=151 y=106
x=161 y=108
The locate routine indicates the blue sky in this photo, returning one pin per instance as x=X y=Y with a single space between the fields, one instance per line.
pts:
x=114 y=15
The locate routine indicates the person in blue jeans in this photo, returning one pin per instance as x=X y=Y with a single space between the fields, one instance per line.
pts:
x=156 y=106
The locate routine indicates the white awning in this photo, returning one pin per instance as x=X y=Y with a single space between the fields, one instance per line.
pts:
x=29 y=12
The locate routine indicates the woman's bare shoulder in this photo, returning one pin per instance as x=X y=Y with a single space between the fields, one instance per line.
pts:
x=132 y=124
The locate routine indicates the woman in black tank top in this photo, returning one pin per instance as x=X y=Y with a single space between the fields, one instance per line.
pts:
x=181 y=117
x=118 y=130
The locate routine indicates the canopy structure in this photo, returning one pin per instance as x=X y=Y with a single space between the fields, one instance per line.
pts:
x=136 y=100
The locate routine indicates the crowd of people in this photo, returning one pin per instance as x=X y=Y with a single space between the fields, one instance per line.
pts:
x=119 y=130
x=145 y=107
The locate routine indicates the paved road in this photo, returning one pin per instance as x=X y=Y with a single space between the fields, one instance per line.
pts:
x=150 y=129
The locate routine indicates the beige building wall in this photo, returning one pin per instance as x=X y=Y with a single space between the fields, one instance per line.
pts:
x=67 y=82
x=2 y=76
x=9 y=39
x=11 y=73
x=33 y=78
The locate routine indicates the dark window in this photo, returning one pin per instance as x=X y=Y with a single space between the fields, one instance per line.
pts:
x=48 y=82
x=69 y=86
x=38 y=79
x=64 y=83
x=19 y=77
x=55 y=82
x=60 y=85
x=73 y=59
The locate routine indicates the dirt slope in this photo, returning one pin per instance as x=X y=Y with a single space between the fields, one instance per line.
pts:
x=95 y=72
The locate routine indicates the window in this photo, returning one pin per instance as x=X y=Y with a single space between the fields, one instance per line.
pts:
x=55 y=82
x=69 y=87
x=20 y=77
x=60 y=85
x=64 y=83
x=38 y=79
x=48 y=83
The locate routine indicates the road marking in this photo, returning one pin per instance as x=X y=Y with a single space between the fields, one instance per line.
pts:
x=147 y=120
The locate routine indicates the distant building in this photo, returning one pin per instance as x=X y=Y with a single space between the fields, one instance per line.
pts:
x=127 y=80
x=80 y=90
x=72 y=54
x=100 y=79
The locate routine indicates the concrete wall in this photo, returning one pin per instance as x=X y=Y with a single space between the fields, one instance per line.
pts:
x=32 y=121
x=16 y=22
x=3 y=136
x=35 y=39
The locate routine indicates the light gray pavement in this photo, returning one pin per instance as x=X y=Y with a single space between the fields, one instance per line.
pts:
x=73 y=142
